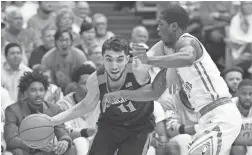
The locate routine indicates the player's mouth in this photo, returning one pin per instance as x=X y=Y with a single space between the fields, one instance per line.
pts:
x=114 y=72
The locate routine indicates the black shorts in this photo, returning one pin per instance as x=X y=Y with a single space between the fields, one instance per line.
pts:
x=108 y=140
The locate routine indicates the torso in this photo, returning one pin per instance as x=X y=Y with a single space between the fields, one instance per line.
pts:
x=202 y=81
x=125 y=113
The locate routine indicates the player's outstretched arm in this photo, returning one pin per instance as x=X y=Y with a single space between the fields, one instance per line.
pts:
x=185 y=56
x=148 y=92
x=87 y=105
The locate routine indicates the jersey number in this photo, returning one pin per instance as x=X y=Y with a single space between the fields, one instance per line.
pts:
x=129 y=106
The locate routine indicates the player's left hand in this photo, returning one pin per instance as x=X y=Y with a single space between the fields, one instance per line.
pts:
x=109 y=98
x=61 y=147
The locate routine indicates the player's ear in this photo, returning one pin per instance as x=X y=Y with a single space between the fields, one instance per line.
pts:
x=174 y=26
x=127 y=58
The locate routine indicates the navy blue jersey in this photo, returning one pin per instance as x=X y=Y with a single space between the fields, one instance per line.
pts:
x=125 y=113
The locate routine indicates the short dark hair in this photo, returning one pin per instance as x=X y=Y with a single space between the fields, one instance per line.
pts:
x=117 y=44
x=245 y=82
x=85 y=26
x=59 y=33
x=81 y=70
x=30 y=77
x=176 y=13
x=10 y=45
x=232 y=69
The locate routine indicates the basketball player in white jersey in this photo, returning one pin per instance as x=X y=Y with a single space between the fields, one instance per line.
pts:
x=243 y=143
x=218 y=117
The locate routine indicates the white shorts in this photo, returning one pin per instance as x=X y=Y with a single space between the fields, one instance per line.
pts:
x=217 y=131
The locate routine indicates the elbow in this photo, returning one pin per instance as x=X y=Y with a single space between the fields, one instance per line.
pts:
x=189 y=61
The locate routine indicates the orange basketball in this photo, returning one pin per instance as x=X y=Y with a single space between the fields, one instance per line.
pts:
x=36 y=131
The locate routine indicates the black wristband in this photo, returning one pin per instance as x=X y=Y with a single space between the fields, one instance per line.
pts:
x=182 y=129
x=84 y=133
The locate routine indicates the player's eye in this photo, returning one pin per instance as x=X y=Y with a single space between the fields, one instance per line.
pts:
x=109 y=60
x=120 y=60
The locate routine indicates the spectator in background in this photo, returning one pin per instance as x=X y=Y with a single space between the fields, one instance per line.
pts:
x=87 y=37
x=5 y=102
x=233 y=76
x=53 y=93
x=82 y=12
x=139 y=35
x=48 y=33
x=88 y=122
x=62 y=59
x=43 y=16
x=95 y=55
x=243 y=143
x=64 y=21
x=101 y=23
x=26 y=38
x=12 y=69
x=34 y=86
x=240 y=32
x=27 y=9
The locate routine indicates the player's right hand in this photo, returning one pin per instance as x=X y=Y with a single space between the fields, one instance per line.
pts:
x=172 y=80
x=48 y=148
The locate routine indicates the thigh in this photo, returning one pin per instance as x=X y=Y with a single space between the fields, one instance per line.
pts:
x=104 y=143
x=137 y=144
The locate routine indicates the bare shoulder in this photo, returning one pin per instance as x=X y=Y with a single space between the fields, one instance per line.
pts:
x=187 y=41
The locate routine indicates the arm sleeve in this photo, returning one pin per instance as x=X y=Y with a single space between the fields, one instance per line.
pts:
x=11 y=134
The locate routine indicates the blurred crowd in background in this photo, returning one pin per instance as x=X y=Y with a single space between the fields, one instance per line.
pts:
x=56 y=37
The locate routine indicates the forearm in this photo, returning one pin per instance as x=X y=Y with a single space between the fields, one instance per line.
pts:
x=82 y=108
x=16 y=142
x=145 y=93
x=171 y=61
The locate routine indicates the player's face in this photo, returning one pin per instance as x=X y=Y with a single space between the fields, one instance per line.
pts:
x=101 y=26
x=35 y=93
x=245 y=96
x=89 y=36
x=165 y=31
x=81 y=87
x=141 y=37
x=14 y=56
x=64 y=43
x=233 y=79
x=48 y=38
x=115 y=63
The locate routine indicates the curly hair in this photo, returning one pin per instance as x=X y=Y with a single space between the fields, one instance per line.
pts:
x=30 y=77
x=81 y=70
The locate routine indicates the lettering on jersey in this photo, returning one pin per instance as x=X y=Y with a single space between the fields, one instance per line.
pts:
x=187 y=87
x=128 y=85
x=246 y=131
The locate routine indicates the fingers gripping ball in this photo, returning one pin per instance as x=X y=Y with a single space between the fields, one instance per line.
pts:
x=36 y=131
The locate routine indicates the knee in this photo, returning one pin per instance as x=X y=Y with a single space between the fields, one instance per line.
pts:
x=238 y=149
x=71 y=151
x=19 y=151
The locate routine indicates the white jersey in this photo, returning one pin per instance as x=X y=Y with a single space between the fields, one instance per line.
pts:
x=202 y=81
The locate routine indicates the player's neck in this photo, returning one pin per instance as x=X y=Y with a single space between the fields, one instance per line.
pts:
x=116 y=85
x=242 y=110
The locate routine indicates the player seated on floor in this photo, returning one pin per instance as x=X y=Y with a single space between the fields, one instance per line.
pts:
x=34 y=85
x=243 y=143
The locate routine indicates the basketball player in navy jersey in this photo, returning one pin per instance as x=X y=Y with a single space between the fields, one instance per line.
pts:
x=123 y=125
